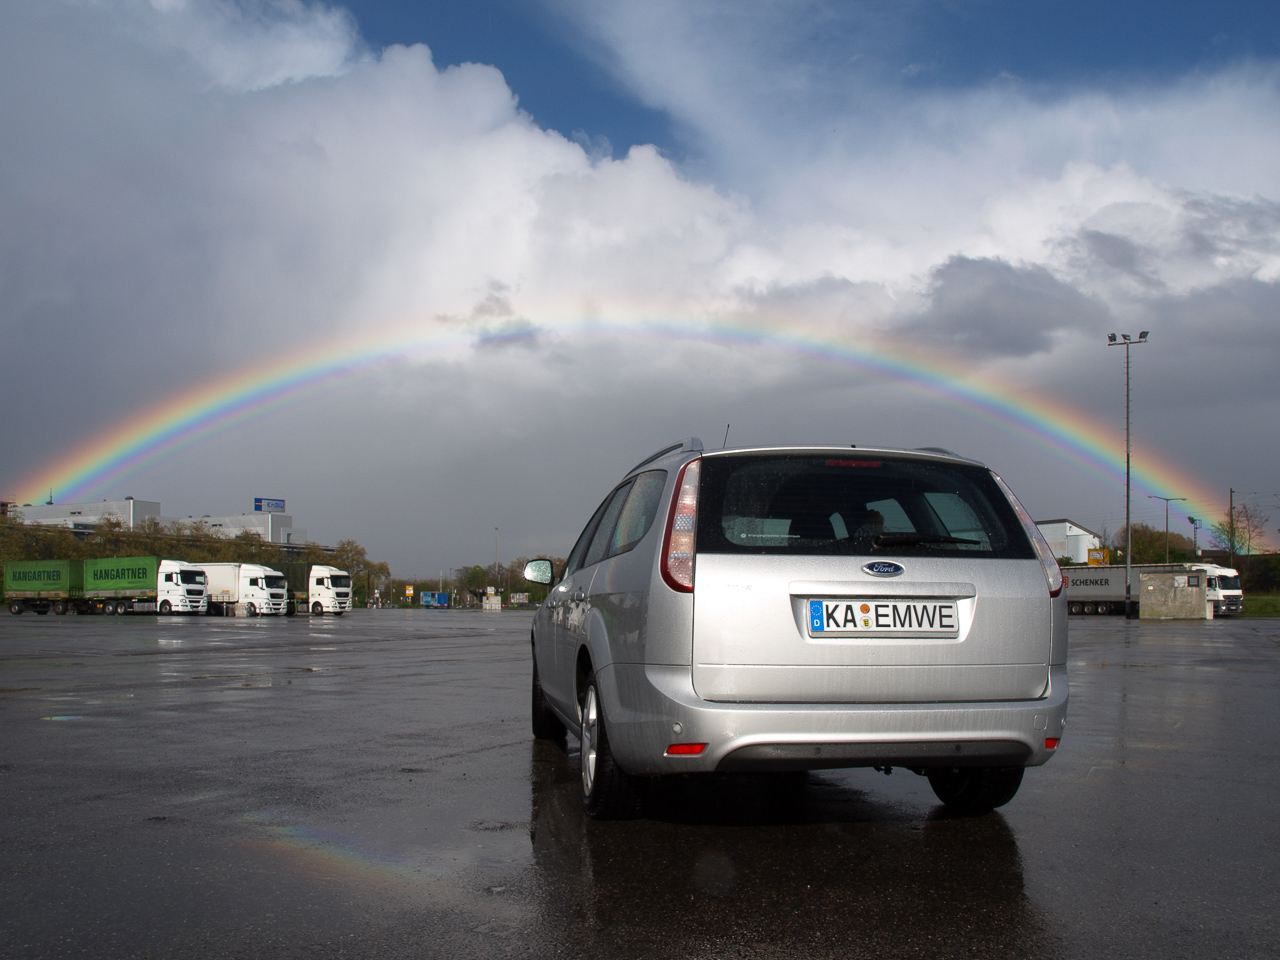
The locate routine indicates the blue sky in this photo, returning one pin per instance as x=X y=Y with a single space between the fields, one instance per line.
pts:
x=560 y=71
x=195 y=187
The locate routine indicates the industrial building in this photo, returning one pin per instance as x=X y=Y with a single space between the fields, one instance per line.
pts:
x=1069 y=539
x=267 y=520
x=83 y=517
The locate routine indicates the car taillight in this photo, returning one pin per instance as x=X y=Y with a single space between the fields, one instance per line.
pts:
x=1052 y=572
x=682 y=522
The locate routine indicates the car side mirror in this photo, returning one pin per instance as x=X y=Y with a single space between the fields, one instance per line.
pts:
x=539 y=571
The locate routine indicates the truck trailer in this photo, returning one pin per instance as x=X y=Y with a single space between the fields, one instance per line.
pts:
x=1100 y=590
x=114 y=585
x=245 y=590
x=318 y=589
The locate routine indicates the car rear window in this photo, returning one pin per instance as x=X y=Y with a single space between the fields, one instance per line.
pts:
x=851 y=505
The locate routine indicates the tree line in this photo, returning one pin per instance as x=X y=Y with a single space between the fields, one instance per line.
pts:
x=466 y=585
x=1242 y=532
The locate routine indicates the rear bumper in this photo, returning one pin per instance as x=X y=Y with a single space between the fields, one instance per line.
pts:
x=644 y=705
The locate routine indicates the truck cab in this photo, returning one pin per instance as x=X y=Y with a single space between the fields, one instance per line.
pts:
x=264 y=587
x=181 y=588
x=328 y=590
x=1223 y=589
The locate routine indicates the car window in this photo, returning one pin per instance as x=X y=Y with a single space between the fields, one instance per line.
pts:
x=576 y=555
x=604 y=530
x=864 y=506
x=638 y=512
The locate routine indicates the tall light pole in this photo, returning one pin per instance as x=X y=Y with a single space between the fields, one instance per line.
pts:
x=496 y=570
x=1195 y=535
x=1156 y=496
x=1126 y=341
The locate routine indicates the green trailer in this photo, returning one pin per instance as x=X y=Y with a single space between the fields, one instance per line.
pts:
x=117 y=577
x=121 y=584
x=43 y=585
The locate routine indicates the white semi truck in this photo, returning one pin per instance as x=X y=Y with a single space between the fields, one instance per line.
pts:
x=245 y=590
x=318 y=589
x=111 y=585
x=1101 y=589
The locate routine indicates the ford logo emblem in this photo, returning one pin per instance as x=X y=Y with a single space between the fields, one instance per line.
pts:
x=883 y=568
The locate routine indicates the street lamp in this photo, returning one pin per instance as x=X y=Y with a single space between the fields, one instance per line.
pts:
x=1195 y=535
x=1156 y=496
x=1126 y=341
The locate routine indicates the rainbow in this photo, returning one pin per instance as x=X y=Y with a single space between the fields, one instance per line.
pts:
x=185 y=419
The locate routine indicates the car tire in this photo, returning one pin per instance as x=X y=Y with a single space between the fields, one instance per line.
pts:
x=975 y=790
x=109 y=609
x=250 y=609
x=1088 y=608
x=608 y=791
x=317 y=609
x=15 y=608
x=546 y=725
x=166 y=607
x=1075 y=608
x=60 y=608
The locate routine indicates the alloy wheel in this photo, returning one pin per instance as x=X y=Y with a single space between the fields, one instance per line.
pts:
x=590 y=718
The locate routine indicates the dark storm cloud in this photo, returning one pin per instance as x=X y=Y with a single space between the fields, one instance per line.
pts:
x=990 y=308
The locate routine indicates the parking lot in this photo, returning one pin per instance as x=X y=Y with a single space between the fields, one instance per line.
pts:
x=368 y=786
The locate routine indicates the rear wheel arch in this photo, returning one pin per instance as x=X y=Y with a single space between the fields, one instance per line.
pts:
x=582 y=669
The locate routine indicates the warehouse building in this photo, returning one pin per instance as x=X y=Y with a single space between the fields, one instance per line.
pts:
x=268 y=520
x=83 y=517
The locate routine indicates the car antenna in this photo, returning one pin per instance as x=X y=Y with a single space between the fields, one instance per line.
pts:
x=726 y=435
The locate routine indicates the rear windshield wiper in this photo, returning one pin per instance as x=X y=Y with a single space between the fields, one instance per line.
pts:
x=912 y=539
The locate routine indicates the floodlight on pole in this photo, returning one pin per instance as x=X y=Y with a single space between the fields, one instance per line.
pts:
x=1127 y=342
x=1156 y=496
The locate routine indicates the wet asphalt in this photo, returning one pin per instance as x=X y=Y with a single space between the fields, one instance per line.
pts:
x=368 y=787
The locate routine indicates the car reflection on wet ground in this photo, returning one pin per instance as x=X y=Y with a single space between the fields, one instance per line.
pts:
x=368 y=787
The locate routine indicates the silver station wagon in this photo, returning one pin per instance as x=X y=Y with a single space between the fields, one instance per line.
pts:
x=790 y=609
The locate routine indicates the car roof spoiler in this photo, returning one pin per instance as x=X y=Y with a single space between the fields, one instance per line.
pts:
x=692 y=444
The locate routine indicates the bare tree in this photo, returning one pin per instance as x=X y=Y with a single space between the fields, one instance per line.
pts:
x=1242 y=531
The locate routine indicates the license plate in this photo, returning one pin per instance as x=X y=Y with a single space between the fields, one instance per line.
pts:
x=851 y=618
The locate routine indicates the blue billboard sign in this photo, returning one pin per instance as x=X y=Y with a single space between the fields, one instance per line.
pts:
x=263 y=505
